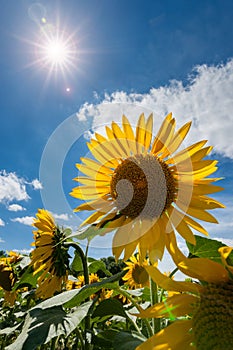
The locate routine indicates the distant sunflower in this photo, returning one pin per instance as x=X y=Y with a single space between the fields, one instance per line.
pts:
x=50 y=257
x=8 y=276
x=136 y=276
x=209 y=306
x=144 y=189
x=93 y=278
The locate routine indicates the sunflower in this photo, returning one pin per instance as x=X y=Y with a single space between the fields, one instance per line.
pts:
x=8 y=276
x=144 y=189
x=207 y=308
x=93 y=278
x=50 y=257
x=136 y=276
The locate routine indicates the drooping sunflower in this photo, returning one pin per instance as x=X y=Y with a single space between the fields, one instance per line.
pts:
x=144 y=189
x=50 y=256
x=207 y=308
x=136 y=276
x=8 y=276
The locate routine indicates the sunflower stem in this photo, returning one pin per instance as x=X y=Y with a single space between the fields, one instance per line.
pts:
x=86 y=281
x=145 y=320
x=154 y=298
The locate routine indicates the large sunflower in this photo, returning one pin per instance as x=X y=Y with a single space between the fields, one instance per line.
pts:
x=50 y=257
x=136 y=276
x=144 y=189
x=207 y=307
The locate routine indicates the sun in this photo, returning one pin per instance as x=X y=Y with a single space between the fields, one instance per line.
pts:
x=56 y=50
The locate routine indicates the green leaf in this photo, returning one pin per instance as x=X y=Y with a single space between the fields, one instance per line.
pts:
x=77 y=265
x=109 y=307
x=105 y=339
x=206 y=248
x=127 y=341
x=88 y=290
x=88 y=233
x=27 y=279
x=41 y=325
x=9 y=330
x=98 y=265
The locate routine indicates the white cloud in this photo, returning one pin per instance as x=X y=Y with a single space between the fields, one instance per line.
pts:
x=64 y=217
x=12 y=187
x=2 y=223
x=2 y=240
x=25 y=220
x=15 y=207
x=23 y=251
x=207 y=100
x=37 y=185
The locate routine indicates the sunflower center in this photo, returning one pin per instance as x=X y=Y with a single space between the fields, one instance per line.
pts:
x=143 y=185
x=140 y=275
x=213 y=319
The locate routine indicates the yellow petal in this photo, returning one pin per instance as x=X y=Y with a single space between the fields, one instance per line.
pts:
x=203 y=189
x=177 y=139
x=99 y=167
x=116 y=150
x=129 y=134
x=100 y=203
x=148 y=134
x=90 y=182
x=186 y=232
x=201 y=215
x=120 y=137
x=174 y=337
x=196 y=167
x=177 y=305
x=86 y=192
x=225 y=252
x=156 y=249
x=129 y=250
x=89 y=171
x=168 y=284
x=102 y=154
x=201 y=268
x=92 y=218
x=201 y=154
x=140 y=133
x=176 y=216
x=163 y=133
x=186 y=153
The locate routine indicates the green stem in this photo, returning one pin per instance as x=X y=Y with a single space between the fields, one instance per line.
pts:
x=80 y=337
x=83 y=258
x=86 y=281
x=145 y=320
x=154 y=297
x=53 y=343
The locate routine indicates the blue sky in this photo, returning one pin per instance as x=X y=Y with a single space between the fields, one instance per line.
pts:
x=125 y=57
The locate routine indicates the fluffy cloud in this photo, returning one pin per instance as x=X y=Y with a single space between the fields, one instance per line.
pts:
x=15 y=207
x=2 y=223
x=25 y=220
x=12 y=187
x=64 y=217
x=207 y=100
x=37 y=185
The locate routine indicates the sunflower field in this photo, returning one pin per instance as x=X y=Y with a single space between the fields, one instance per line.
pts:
x=149 y=194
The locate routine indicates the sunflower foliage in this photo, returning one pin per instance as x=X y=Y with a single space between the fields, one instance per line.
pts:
x=112 y=303
x=61 y=298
